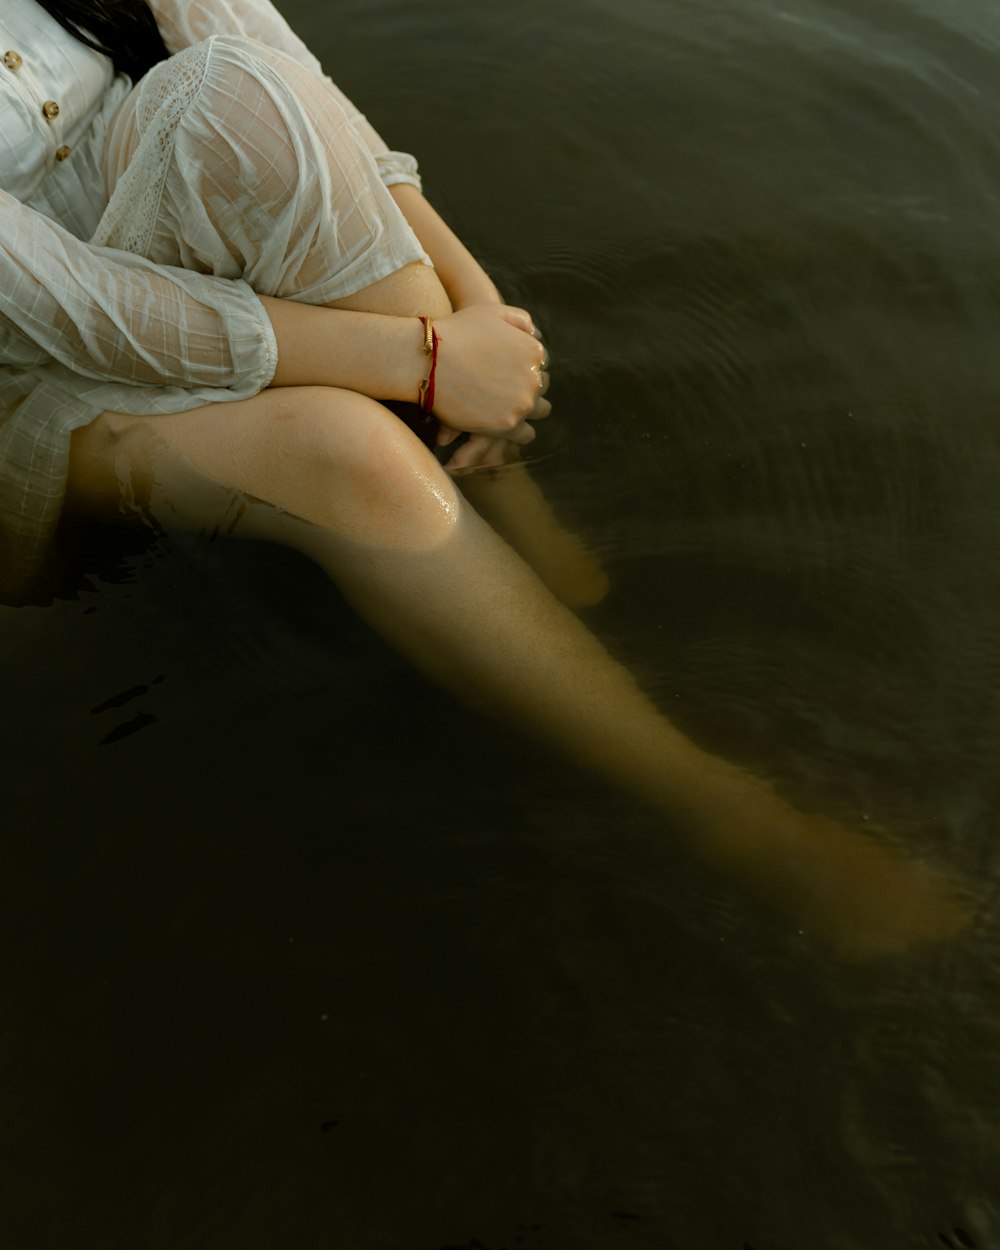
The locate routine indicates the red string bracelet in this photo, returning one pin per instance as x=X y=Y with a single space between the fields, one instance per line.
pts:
x=431 y=341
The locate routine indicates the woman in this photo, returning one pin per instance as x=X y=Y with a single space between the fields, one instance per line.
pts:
x=257 y=261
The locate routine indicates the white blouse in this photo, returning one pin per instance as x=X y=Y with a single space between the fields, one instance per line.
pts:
x=87 y=323
x=81 y=305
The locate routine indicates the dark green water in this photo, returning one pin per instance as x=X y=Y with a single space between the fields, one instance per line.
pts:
x=308 y=957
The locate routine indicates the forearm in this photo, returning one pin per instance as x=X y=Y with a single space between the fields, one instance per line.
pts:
x=462 y=276
x=373 y=354
x=486 y=376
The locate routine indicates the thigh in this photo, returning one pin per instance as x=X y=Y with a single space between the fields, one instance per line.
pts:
x=329 y=458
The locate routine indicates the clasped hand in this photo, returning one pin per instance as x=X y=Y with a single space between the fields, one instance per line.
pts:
x=491 y=377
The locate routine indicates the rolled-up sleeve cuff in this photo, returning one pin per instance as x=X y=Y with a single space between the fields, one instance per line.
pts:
x=253 y=345
x=396 y=167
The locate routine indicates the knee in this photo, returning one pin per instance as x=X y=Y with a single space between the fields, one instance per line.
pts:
x=361 y=471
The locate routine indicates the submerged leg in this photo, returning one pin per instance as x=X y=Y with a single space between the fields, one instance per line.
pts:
x=512 y=502
x=334 y=474
x=355 y=490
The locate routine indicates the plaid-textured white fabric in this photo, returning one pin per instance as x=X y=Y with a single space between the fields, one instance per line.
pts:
x=233 y=168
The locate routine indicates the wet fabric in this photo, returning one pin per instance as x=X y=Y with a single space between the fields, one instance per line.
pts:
x=129 y=272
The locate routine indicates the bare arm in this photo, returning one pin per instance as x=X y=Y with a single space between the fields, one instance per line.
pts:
x=358 y=351
x=462 y=276
x=487 y=375
x=509 y=499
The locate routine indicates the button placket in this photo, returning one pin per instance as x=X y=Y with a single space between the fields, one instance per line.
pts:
x=35 y=95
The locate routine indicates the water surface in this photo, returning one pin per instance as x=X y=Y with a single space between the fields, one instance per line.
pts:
x=300 y=955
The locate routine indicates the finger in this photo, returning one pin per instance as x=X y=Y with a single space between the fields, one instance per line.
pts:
x=484 y=455
x=479 y=449
x=500 y=452
x=522 y=434
x=445 y=436
x=518 y=317
x=463 y=459
x=540 y=411
x=446 y=454
x=544 y=382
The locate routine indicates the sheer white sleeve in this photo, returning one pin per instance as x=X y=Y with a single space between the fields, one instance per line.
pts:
x=186 y=22
x=115 y=316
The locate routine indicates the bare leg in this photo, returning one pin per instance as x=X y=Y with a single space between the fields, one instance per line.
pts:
x=337 y=476
x=508 y=497
x=293 y=124
x=513 y=503
x=356 y=491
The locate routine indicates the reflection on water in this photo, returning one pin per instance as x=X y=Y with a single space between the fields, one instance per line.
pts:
x=307 y=956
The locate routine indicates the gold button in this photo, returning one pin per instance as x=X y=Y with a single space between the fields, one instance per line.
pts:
x=50 y=109
x=62 y=153
x=12 y=60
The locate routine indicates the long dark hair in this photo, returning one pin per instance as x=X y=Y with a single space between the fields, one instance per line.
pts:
x=124 y=30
